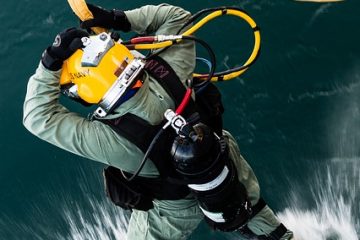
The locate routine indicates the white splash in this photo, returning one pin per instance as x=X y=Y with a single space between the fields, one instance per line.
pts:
x=99 y=222
x=96 y=218
x=336 y=196
x=335 y=188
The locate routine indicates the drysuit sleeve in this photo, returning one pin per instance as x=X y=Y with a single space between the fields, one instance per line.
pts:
x=166 y=20
x=46 y=118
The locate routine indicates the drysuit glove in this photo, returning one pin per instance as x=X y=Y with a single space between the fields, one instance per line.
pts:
x=110 y=19
x=65 y=44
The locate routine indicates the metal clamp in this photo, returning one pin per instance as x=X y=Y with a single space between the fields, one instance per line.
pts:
x=95 y=49
x=176 y=121
x=120 y=87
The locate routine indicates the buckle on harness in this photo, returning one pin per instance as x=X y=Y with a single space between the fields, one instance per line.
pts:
x=176 y=121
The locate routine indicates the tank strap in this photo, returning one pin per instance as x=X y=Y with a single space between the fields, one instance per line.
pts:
x=278 y=232
x=258 y=207
x=274 y=235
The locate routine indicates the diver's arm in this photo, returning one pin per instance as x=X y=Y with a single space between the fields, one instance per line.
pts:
x=167 y=20
x=160 y=19
x=46 y=118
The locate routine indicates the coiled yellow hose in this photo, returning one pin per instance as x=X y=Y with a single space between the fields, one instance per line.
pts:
x=82 y=11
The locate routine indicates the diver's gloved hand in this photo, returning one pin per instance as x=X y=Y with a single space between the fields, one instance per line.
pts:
x=114 y=19
x=65 y=44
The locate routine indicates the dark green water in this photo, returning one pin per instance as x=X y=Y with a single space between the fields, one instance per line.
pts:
x=295 y=114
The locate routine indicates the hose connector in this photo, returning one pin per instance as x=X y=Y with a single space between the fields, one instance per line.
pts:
x=163 y=38
x=175 y=120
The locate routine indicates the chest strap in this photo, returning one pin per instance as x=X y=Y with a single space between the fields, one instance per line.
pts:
x=159 y=69
x=135 y=129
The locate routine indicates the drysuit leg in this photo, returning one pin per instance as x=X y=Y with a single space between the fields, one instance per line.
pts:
x=167 y=220
x=265 y=221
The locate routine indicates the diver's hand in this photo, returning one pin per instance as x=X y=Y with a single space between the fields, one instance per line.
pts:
x=65 y=44
x=114 y=19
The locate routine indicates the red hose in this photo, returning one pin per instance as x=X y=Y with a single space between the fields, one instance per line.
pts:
x=148 y=39
x=184 y=102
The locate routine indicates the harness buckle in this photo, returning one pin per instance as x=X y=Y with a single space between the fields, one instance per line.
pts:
x=176 y=121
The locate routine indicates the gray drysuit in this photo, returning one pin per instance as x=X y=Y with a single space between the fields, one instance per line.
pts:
x=46 y=118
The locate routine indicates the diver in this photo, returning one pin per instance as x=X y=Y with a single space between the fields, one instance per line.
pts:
x=195 y=169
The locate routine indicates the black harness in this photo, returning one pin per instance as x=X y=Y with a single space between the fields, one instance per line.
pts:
x=140 y=132
x=140 y=192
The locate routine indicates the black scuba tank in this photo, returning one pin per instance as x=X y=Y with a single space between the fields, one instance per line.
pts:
x=201 y=158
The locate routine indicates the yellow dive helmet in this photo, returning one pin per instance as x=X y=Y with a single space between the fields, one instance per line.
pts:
x=100 y=73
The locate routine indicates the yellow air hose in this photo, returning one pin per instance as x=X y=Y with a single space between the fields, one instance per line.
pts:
x=257 y=39
x=198 y=25
x=81 y=10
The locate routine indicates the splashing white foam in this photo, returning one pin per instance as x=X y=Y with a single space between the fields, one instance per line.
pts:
x=336 y=196
x=100 y=222
x=95 y=219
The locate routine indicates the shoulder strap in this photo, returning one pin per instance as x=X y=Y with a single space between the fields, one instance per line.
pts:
x=208 y=102
x=160 y=70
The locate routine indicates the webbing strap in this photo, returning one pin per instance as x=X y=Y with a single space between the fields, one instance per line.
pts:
x=134 y=129
x=160 y=70
x=258 y=207
x=274 y=235
x=277 y=233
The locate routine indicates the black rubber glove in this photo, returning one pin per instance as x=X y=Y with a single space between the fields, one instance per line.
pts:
x=65 y=44
x=114 y=19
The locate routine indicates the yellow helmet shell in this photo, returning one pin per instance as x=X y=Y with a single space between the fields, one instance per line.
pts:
x=93 y=82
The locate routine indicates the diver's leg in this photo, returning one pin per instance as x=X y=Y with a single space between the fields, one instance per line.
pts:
x=167 y=220
x=265 y=221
